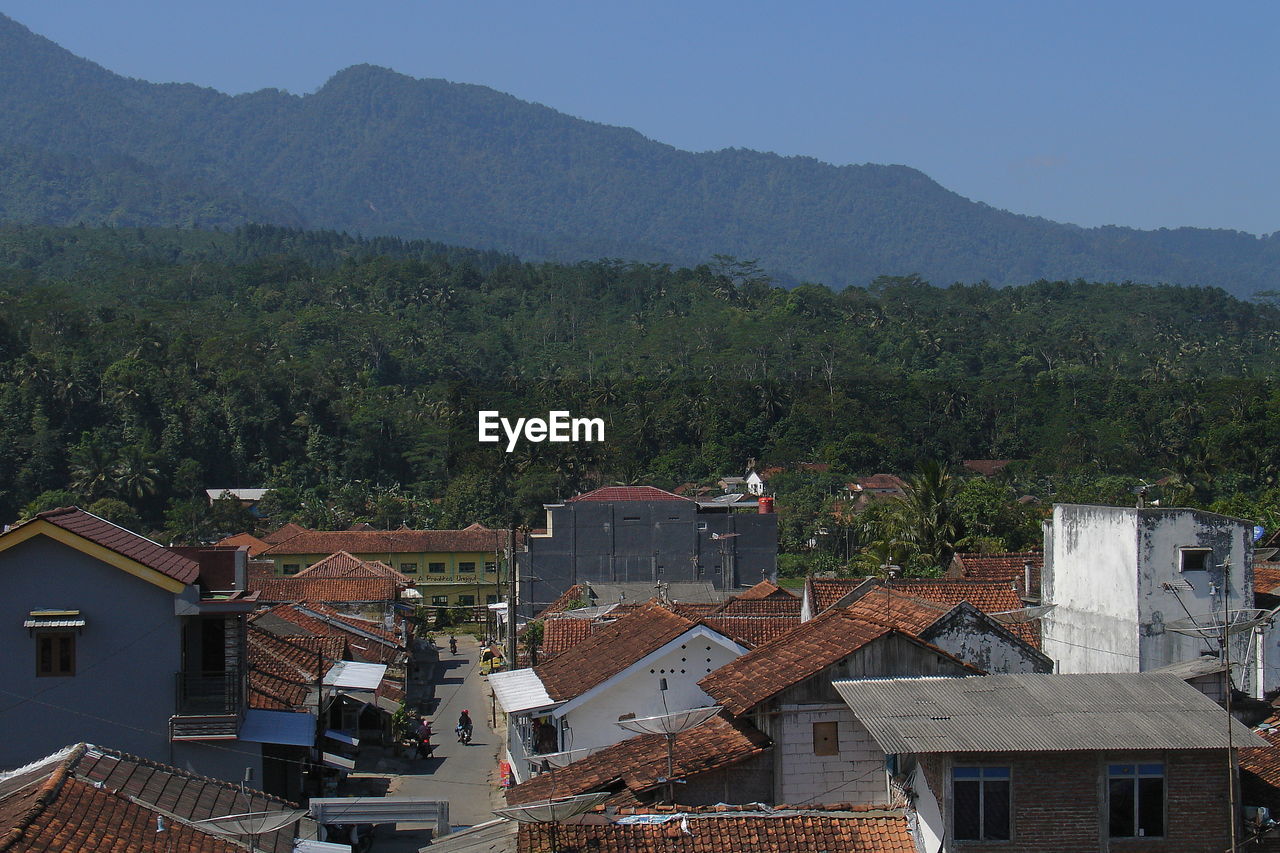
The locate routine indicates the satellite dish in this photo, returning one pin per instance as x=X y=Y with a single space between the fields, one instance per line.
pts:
x=670 y=724
x=1211 y=626
x=250 y=823
x=551 y=811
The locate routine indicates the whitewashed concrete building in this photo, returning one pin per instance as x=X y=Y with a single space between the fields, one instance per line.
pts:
x=1117 y=576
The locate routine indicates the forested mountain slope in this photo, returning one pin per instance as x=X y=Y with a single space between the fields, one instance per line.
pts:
x=376 y=152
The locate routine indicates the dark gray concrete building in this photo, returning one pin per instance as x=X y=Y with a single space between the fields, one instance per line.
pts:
x=647 y=537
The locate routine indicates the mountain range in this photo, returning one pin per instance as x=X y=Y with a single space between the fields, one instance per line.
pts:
x=379 y=153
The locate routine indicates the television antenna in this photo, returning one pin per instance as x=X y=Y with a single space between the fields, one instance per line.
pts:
x=1220 y=628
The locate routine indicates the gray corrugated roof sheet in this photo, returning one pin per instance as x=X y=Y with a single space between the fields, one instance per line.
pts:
x=1040 y=713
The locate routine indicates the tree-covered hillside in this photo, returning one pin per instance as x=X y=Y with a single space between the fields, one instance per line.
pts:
x=146 y=365
x=376 y=152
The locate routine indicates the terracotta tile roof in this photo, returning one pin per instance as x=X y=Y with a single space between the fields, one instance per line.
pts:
x=280 y=534
x=614 y=494
x=348 y=629
x=1260 y=767
x=390 y=542
x=752 y=631
x=895 y=609
x=255 y=545
x=769 y=669
x=343 y=565
x=882 y=481
x=827 y=591
x=1266 y=577
x=124 y=542
x=284 y=669
x=560 y=635
x=97 y=799
x=694 y=610
x=764 y=589
x=337 y=590
x=987 y=596
x=577 y=592
x=640 y=762
x=610 y=650
x=760 y=607
x=1007 y=567
x=730 y=831
x=986 y=467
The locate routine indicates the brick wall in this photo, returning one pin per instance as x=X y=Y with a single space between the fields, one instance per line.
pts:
x=1059 y=801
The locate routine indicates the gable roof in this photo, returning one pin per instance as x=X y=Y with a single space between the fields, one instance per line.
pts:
x=610 y=650
x=640 y=762
x=1033 y=712
x=343 y=565
x=347 y=590
x=1007 y=567
x=1260 y=767
x=614 y=494
x=987 y=596
x=804 y=651
x=283 y=670
x=275 y=537
x=91 y=798
x=825 y=592
x=255 y=545
x=112 y=537
x=896 y=609
x=725 y=829
x=389 y=542
x=369 y=641
x=764 y=589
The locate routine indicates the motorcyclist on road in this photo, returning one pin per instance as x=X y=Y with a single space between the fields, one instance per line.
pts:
x=453 y=645
x=464 y=726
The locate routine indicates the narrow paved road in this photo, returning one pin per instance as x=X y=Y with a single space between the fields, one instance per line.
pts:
x=463 y=774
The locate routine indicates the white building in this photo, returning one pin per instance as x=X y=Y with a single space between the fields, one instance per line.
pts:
x=1117 y=576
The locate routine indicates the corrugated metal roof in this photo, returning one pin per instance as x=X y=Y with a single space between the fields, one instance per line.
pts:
x=357 y=676
x=284 y=727
x=1040 y=713
x=520 y=690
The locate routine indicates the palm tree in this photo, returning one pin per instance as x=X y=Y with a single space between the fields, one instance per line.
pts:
x=929 y=521
x=135 y=473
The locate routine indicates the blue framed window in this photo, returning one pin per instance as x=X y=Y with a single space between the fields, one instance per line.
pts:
x=1135 y=800
x=980 y=803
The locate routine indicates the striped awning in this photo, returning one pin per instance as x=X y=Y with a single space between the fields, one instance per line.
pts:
x=54 y=619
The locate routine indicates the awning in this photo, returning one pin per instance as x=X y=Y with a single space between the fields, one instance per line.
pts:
x=520 y=690
x=340 y=763
x=284 y=727
x=50 y=618
x=366 y=697
x=341 y=737
x=356 y=676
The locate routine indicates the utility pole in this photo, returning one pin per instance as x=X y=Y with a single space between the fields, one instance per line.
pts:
x=512 y=648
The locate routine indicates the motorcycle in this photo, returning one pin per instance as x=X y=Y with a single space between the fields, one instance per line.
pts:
x=453 y=646
x=464 y=734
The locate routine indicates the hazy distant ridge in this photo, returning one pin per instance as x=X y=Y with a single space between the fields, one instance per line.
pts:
x=377 y=152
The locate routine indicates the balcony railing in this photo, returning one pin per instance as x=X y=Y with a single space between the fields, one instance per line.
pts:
x=208 y=693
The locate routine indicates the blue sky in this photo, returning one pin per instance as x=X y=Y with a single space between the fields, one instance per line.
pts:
x=1132 y=113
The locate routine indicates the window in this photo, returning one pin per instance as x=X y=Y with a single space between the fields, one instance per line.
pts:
x=980 y=803
x=702 y=525
x=466 y=601
x=466 y=568
x=291 y=568
x=408 y=568
x=490 y=567
x=631 y=518
x=826 y=739
x=491 y=599
x=435 y=568
x=439 y=601
x=1135 y=800
x=1195 y=559
x=55 y=654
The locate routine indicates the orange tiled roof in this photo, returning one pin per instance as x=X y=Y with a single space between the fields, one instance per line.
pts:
x=343 y=565
x=102 y=800
x=752 y=631
x=827 y=591
x=560 y=635
x=1266 y=577
x=759 y=607
x=609 y=650
x=987 y=596
x=255 y=545
x=613 y=494
x=282 y=670
x=1006 y=567
x=732 y=831
x=390 y=542
x=895 y=609
x=338 y=590
x=340 y=626
x=124 y=542
x=280 y=534
x=764 y=589
x=640 y=762
x=1260 y=767
x=575 y=593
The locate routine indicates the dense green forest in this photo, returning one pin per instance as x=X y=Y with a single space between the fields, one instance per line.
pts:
x=380 y=153
x=139 y=367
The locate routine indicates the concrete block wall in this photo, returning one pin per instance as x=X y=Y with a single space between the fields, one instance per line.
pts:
x=855 y=775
